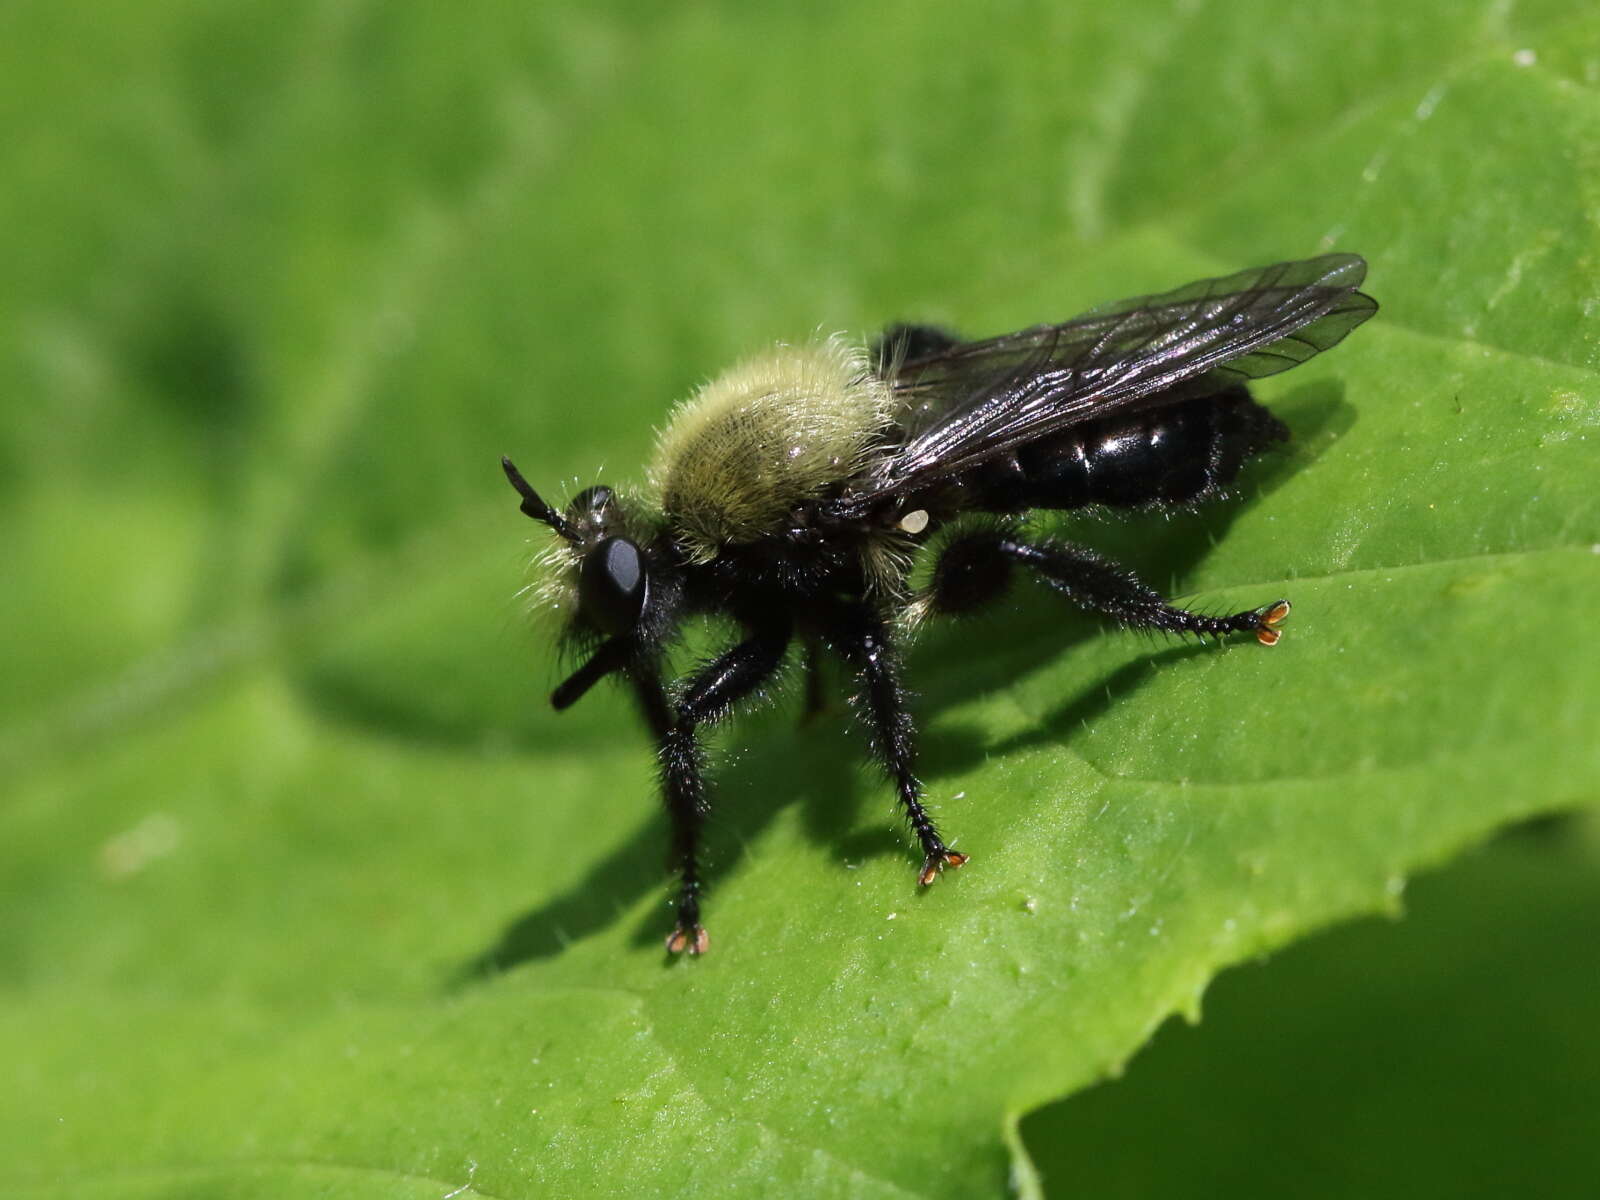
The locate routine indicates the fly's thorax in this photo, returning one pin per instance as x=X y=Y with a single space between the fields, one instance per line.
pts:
x=781 y=429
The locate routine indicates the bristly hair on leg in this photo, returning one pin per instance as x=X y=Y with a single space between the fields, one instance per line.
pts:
x=788 y=493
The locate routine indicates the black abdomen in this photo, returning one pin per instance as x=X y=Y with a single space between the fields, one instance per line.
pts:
x=1181 y=453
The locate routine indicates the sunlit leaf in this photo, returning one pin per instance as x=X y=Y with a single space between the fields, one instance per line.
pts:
x=307 y=890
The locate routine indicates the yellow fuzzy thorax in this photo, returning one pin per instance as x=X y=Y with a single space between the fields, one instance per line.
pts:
x=776 y=430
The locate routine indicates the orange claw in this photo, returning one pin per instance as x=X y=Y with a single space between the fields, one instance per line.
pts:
x=1273 y=615
x=695 y=941
x=931 y=866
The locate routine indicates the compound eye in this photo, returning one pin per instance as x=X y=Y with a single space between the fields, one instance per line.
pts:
x=612 y=585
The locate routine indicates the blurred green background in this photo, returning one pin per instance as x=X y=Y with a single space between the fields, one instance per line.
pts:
x=306 y=890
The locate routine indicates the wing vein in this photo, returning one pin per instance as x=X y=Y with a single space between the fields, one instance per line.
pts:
x=968 y=402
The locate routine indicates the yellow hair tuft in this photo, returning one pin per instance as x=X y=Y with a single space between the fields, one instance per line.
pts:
x=778 y=429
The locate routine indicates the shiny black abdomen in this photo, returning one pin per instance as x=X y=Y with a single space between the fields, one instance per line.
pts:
x=1181 y=453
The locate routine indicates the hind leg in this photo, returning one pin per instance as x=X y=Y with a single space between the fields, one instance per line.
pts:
x=976 y=568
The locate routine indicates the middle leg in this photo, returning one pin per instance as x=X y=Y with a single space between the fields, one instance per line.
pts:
x=862 y=639
x=816 y=698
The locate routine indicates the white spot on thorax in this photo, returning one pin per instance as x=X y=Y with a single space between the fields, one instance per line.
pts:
x=915 y=522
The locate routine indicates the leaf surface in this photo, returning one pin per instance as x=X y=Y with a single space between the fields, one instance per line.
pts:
x=308 y=890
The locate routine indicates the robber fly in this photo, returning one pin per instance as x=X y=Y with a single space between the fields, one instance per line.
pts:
x=792 y=494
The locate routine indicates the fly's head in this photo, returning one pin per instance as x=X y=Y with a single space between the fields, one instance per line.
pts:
x=600 y=574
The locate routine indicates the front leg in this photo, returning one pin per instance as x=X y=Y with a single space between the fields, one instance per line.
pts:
x=708 y=696
x=862 y=639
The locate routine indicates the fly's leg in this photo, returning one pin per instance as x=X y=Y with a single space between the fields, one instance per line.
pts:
x=706 y=697
x=1100 y=585
x=862 y=640
x=975 y=568
x=816 y=697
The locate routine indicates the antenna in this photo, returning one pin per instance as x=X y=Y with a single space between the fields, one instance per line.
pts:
x=533 y=506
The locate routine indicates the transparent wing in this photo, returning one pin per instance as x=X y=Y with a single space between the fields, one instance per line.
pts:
x=970 y=401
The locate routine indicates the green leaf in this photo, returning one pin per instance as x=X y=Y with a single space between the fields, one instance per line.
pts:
x=308 y=891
